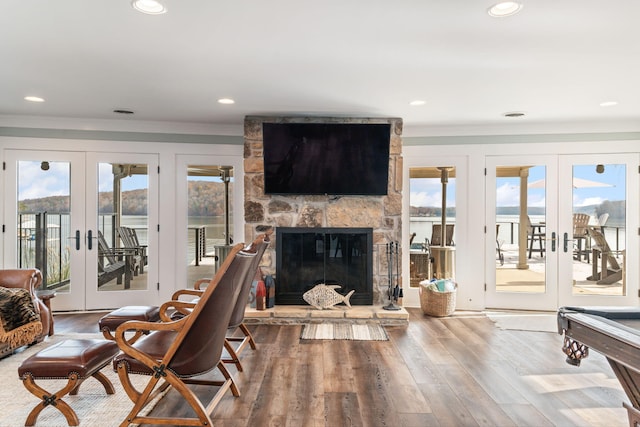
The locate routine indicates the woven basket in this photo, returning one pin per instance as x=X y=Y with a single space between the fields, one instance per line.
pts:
x=438 y=304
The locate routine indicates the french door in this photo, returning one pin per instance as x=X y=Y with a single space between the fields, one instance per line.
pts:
x=66 y=208
x=559 y=231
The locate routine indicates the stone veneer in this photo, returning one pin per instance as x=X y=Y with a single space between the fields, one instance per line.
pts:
x=382 y=213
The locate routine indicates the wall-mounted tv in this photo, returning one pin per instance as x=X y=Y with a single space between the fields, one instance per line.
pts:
x=326 y=158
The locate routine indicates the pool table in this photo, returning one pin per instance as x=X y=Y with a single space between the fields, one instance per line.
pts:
x=612 y=331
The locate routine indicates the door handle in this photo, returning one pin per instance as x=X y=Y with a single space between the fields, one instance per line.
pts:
x=77 y=238
x=566 y=242
x=553 y=241
x=89 y=239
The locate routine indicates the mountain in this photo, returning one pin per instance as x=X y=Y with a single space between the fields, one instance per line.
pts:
x=205 y=199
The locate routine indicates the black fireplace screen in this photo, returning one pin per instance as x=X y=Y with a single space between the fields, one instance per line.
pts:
x=306 y=257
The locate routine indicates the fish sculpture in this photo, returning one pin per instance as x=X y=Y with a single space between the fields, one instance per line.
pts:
x=325 y=296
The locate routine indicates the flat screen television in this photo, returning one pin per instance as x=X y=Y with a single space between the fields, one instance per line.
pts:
x=326 y=158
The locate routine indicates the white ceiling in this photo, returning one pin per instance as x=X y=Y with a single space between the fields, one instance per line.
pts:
x=556 y=60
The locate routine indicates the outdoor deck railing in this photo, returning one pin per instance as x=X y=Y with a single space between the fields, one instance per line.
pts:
x=509 y=232
x=45 y=241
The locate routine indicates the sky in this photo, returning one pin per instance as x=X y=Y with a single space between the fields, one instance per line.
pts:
x=34 y=183
x=427 y=192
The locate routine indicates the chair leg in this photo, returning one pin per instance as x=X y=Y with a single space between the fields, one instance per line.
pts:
x=229 y=379
x=541 y=242
x=234 y=353
x=52 y=399
x=233 y=356
x=247 y=333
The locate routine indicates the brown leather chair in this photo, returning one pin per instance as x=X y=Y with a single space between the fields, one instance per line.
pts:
x=237 y=316
x=236 y=322
x=177 y=353
x=29 y=279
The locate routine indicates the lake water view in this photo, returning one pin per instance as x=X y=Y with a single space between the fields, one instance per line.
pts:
x=508 y=232
x=214 y=231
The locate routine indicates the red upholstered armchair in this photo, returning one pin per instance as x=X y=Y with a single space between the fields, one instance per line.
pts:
x=29 y=279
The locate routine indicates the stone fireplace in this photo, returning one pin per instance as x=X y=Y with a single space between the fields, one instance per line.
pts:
x=306 y=257
x=380 y=214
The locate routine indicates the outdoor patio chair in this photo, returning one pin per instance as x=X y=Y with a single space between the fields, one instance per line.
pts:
x=535 y=233
x=610 y=270
x=580 y=234
x=436 y=235
x=130 y=241
x=177 y=353
x=113 y=264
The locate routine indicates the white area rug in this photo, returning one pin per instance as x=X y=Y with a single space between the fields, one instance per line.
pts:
x=92 y=405
x=343 y=331
x=537 y=322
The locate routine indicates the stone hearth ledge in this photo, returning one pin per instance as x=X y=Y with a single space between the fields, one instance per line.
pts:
x=300 y=314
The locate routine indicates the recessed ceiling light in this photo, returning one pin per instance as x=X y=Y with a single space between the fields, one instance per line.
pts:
x=514 y=114
x=122 y=111
x=150 y=7
x=226 y=101
x=33 y=99
x=608 y=103
x=417 y=103
x=505 y=8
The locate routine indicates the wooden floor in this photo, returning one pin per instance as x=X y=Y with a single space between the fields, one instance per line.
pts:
x=456 y=371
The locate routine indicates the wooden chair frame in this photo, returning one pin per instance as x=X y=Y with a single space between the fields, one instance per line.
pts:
x=167 y=339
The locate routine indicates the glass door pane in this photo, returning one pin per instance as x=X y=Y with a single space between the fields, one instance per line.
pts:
x=432 y=211
x=599 y=229
x=44 y=213
x=599 y=223
x=520 y=229
x=209 y=218
x=123 y=226
x=122 y=205
x=520 y=244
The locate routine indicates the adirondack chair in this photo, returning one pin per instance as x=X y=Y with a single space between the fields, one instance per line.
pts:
x=130 y=241
x=235 y=344
x=177 y=353
x=112 y=264
x=436 y=235
x=580 y=234
x=610 y=270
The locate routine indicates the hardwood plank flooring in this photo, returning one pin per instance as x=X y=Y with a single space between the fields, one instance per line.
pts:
x=454 y=371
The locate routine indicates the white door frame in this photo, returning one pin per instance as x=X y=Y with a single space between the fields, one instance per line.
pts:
x=548 y=299
x=75 y=298
x=97 y=299
x=411 y=297
x=565 y=274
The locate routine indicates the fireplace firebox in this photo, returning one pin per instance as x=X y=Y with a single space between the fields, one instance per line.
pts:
x=306 y=257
